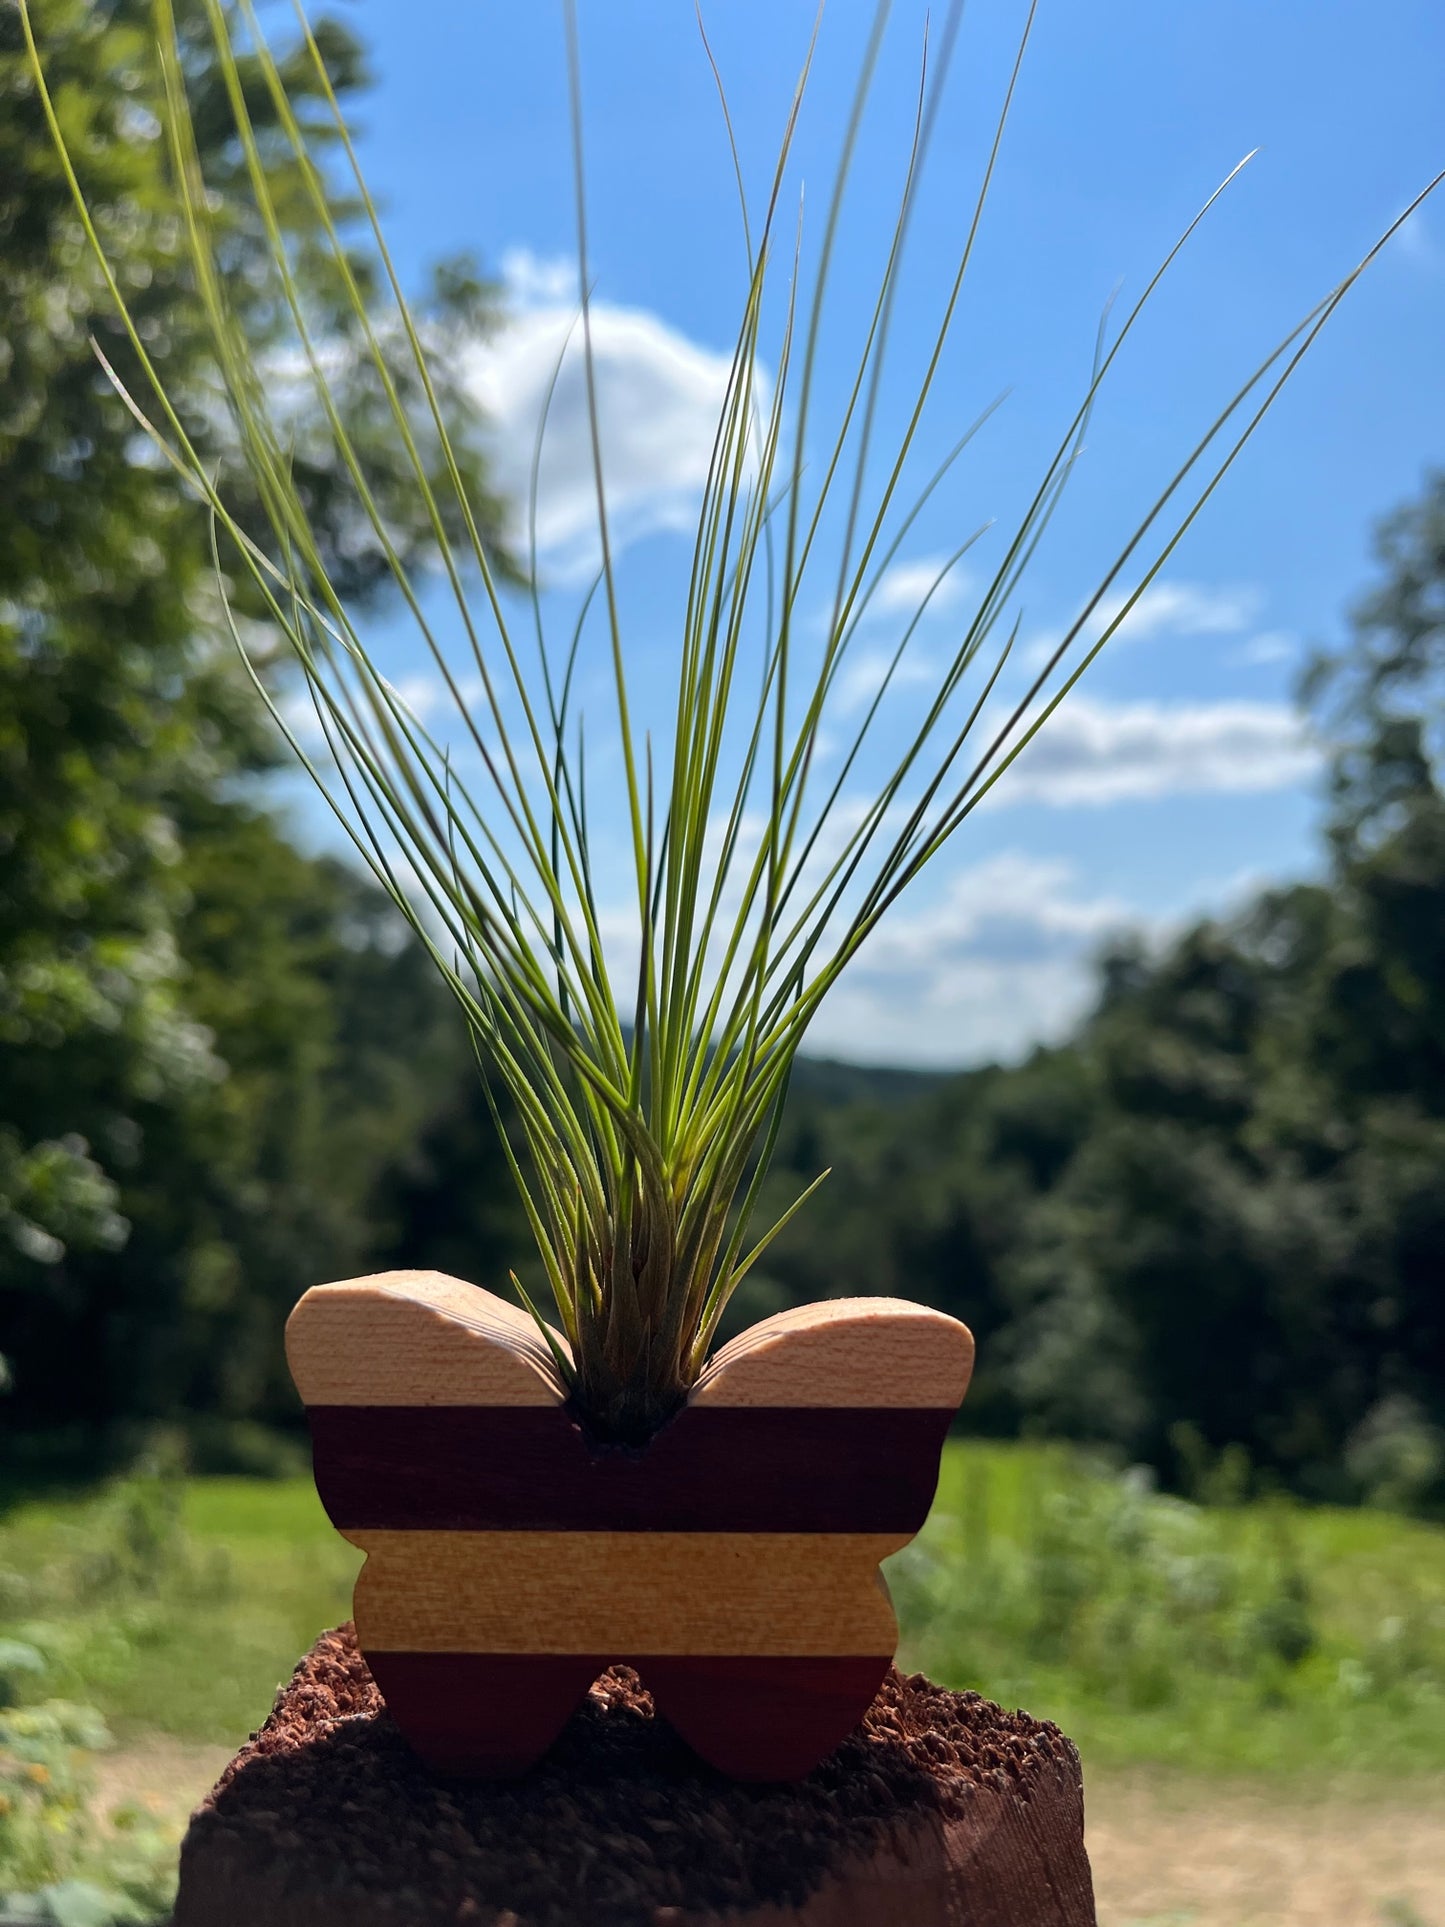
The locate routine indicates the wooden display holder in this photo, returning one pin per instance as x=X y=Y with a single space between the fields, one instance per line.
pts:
x=733 y=1560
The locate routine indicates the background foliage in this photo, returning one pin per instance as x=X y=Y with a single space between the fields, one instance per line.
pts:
x=1205 y=1237
x=194 y=1107
x=1199 y=1633
x=1214 y=1220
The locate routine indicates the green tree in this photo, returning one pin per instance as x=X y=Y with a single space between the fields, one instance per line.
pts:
x=1251 y=1240
x=1379 y=699
x=138 y=999
x=1214 y=1221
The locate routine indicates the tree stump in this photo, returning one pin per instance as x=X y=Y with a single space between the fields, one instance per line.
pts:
x=941 y=1808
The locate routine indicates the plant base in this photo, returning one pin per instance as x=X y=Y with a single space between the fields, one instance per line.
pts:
x=941 y=1808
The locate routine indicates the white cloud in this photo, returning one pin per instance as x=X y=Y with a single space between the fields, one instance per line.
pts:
x=422 y=695
x=298 y=713
x=1097 y=752
x=1004 y=958
x=862 y=675
x=659 y=399
x=999 y=961
x=1269 y=646
x=1163 y=609
x=1181 y=609
x=902 y=587
x=1416 y=243
x=535 y=280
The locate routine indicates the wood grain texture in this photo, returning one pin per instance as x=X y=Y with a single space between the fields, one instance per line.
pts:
x=716 y=1469
x=845 y=1351
x=658 y=1592
x=416 y=1338
x=510 y=1557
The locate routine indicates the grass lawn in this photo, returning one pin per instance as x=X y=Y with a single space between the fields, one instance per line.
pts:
x=1228 y=1638
x=185 y=1623
x=1258 y=1690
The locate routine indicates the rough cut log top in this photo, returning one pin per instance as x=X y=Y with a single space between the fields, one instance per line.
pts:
x=941 y=1808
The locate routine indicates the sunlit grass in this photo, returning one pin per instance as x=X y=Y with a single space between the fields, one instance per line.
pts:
x=195 y=1638
x=1221 y=1639
x=1265 y=1635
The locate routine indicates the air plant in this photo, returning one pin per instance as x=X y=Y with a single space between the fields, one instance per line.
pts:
x=647 y=1104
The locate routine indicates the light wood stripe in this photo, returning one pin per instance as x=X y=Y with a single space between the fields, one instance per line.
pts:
x=416 y=1338
x=728 y=1593
x=844 y=1351
x=421 y=1338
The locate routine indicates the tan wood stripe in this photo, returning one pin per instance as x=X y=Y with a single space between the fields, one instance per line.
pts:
x=421 y=1338
x=625 y=1592
x=416 y=1338
x=844 y=1351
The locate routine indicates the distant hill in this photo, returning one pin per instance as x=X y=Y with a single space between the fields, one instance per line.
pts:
x=829 y=1081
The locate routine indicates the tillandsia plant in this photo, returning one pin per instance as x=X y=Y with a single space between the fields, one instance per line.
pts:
x=648 y=1095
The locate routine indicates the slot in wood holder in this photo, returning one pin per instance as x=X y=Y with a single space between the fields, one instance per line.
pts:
x=733 y=1560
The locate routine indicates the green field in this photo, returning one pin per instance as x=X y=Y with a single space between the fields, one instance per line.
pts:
x=1224 y=1639
x=174 y=1609
x=1215 y=1636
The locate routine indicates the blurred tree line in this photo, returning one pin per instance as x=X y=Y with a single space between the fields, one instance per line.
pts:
x=1212 y=1224
x=212 y=1042
x=1215 y=1220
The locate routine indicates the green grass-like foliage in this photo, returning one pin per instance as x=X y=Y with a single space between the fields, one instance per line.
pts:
x=82 y=1596
x=646 y=1106
x=1227 y=1635
x=1224 y=1634
x=1221 y=1637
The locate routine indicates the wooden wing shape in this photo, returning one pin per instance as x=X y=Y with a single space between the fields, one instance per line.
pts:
x=733 y=1560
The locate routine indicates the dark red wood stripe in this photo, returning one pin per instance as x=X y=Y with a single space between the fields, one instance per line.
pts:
x=713 y=1469
x=754 y=1718
x=487 y=1714
x=764 y=1718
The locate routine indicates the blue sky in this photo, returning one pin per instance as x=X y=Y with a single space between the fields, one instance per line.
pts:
x=1176 y=778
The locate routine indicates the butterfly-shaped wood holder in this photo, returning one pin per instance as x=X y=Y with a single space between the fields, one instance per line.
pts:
x=733 y=1560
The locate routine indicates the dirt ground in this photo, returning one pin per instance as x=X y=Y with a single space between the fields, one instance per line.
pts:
x=167 y=1777
x=1176 y=1852
x=1167 y=1851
